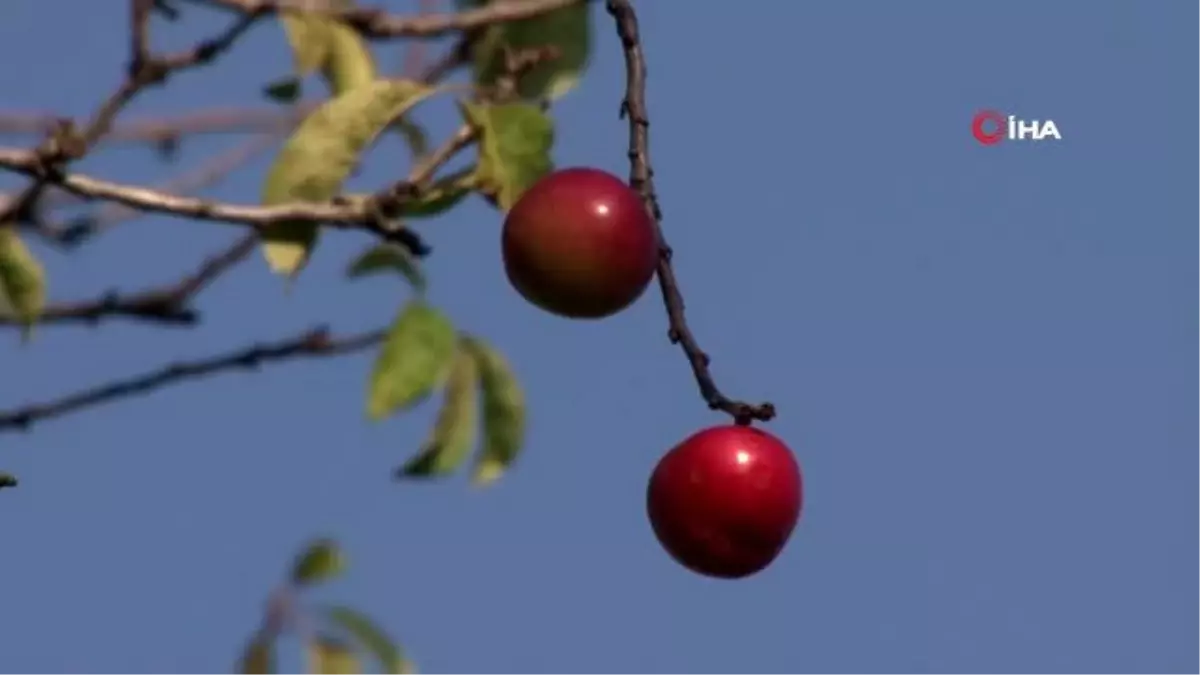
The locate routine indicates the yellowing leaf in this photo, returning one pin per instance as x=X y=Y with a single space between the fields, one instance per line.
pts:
x=568 y=30
x=315 y=161
x=306 y=34
x=327 y=656
x=455 y=430
x=348 y=62
x=370 y=637
x=321 y=561
x=258 y=657
x=514 y=148
x=320 y=42
x=413 y=361
x=22 y=279
x=503 y=413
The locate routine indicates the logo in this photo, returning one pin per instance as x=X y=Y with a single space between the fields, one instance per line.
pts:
x=989 y=127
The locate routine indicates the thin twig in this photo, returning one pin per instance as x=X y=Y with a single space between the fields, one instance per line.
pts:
x=393 y=197
x=413 y=63
x=201 y=177
x=144 y=70
x=167 y=305
x=172 y=128
x=338 y=215
x=312 y=343
x=641 y=178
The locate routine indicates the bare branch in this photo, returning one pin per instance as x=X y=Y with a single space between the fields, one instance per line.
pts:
x=413 y=63
x=168 y=305
x=199 y=178
x=379 y=24
x=337 y=215
x=145 y=70
x=642 y=179
x=391 y=199
x=170 y=129
x=313 y=343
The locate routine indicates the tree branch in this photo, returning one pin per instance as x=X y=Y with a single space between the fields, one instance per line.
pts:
x=338 y=214
x=378 y=24
x=144 y=70
x=170 y=129
x=163 y=305
x=313 y=343
x=199 y=178
x=641 y=177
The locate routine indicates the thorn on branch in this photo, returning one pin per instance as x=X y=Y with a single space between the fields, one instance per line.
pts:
x=633 y=108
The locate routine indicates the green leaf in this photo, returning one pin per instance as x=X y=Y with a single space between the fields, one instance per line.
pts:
x=503 y=413
x=315 y=161
x=7 y=480
x=514 y=148
x=284 y=90
x=456 y=428
x=22 y=279
x=370 y=637
x=258 y=657
x=568 y=30
x=348 y=62
x=330 y=657
x=321 y=561
x=388 y=257
x=414 y=360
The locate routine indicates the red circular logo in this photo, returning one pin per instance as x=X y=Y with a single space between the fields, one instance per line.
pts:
x=985 y=118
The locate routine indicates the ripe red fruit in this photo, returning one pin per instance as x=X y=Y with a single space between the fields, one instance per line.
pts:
x=579 y=243
x=724 y=502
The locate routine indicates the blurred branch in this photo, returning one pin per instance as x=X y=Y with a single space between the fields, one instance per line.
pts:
x=167 y=305
x=201 y=177
x=414 y=52
x=376 y=23
x=66 y=144
x=171 y=129
x=312 y=343
x=641 y=177
x=336 y=214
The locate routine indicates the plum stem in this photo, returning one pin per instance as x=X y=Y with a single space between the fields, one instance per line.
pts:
x=633 y=108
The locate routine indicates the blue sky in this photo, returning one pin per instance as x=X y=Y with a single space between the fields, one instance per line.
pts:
x=983 y=358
